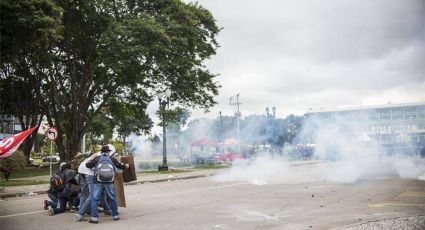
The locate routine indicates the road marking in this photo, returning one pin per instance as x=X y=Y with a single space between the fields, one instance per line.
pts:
x=21 y=214
x=264 y=216
x=412 y=194
x=198 y=190
x=383 y=205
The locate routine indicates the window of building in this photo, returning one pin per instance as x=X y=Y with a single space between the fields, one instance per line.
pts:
x=410 y=110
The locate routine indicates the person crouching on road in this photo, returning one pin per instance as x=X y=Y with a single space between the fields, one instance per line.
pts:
x=64 y=191
x=104 y=180
x=52 y=193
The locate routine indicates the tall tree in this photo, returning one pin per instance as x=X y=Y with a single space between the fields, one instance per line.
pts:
x=86 y=53
x=29 y=29
x=127 y=49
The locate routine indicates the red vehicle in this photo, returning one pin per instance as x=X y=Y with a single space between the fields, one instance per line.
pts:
x=224 y=152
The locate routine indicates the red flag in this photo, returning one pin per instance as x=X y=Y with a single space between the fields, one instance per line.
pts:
x=9 y=145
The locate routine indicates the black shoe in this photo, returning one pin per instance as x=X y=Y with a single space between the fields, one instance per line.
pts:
x=93 y=221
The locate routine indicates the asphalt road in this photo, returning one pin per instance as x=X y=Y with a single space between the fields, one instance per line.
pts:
x=203 y=203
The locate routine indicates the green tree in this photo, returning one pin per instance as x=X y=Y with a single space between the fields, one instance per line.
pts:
x=92 y=52
x=123 y=50
x=29 y=28
x=129 y=117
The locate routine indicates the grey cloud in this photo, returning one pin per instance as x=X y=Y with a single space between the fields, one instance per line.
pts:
x=300 y=54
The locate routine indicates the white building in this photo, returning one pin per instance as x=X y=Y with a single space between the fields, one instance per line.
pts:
x=390 y=123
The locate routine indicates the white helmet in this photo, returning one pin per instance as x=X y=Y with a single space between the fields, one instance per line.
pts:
x=111 y=149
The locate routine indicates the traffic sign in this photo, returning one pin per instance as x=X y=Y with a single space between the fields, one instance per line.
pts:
x=51 y=133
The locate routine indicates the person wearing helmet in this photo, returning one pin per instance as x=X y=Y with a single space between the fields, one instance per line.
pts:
x=87 y=176
x=66 y=178
x=104 y=165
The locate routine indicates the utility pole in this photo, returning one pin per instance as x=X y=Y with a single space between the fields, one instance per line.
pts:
x=222 y=137
x=238 y=115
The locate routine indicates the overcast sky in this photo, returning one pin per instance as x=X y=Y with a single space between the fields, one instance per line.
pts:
x=302 y=54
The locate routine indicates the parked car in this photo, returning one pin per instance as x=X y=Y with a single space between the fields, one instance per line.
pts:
x=204 y=159
x=54 y=159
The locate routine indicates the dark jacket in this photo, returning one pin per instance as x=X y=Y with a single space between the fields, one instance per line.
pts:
x=69 y=176
x=92 y=163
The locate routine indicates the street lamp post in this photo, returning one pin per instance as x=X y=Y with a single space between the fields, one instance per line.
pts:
x=238 y=116
x=163 y=102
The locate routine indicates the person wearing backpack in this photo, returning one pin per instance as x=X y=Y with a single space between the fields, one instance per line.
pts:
x=104 y=174
x=56 y=183
x=64 y=190
x=87 y=187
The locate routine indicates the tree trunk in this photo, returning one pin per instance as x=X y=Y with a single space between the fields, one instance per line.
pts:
x=29 y=142
x=73 y=142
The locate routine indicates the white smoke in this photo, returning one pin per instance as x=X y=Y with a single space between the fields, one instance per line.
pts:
x=139 y=146
x=409 y=168
x=343 y=153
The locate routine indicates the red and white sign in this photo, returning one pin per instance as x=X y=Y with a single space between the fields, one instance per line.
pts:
x=51 y=133
x=9 y=145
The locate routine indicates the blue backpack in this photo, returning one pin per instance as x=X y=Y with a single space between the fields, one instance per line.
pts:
x=104 y=170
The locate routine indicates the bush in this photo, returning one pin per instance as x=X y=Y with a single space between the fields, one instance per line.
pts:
x=16 y=162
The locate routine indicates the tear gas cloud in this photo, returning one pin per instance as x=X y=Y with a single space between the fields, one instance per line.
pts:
x=139 y=146
x=148 y=152
x=343 y=153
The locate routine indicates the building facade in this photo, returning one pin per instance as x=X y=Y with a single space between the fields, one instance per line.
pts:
x=390 y=123
x=9 y=125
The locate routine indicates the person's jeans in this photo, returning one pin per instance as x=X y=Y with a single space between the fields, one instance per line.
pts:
x=62 y=205
x=83 y=199
x=97 y=191
x=53 y=200
x=83 y=196
x=84 y=204
x=105 y=205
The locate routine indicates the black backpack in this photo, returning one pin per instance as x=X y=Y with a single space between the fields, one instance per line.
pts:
x=105 y=169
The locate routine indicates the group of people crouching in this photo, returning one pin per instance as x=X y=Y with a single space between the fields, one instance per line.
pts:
x=95 y=176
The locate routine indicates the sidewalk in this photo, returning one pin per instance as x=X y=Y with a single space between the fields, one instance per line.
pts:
x=28 y=190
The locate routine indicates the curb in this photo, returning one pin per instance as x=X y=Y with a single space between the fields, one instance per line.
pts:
x=372 y=221
x=166 y=179
x=19 y=194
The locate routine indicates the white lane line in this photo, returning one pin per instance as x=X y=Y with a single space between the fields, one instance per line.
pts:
x=21 y=214
x=197 y=190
